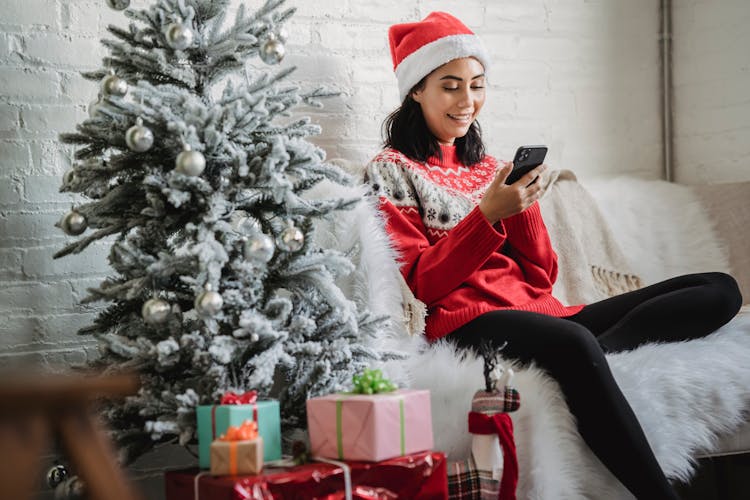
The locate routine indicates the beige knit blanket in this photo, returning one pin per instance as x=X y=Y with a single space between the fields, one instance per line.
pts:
x=591 y=265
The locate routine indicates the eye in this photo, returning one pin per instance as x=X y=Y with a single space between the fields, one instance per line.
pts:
x=450 y=89
x=476 y=87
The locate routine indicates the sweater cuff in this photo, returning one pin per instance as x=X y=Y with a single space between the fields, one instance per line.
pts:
x=527 y=224
x=476 y=230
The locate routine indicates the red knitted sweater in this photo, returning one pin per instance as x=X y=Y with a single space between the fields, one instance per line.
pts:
x=453 y=259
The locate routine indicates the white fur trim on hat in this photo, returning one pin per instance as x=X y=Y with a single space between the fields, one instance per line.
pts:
x=431 y=56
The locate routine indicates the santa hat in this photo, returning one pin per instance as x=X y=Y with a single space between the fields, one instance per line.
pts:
x=419 y=48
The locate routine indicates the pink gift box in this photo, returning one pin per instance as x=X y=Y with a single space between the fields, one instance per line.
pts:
x=370 y=427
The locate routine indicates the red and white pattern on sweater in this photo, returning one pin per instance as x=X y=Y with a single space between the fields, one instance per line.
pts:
x=441 y=192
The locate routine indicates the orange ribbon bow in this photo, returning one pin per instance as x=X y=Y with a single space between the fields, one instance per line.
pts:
x=248 y=430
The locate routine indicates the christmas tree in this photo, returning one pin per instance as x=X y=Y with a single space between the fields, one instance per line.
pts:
x=197 y=170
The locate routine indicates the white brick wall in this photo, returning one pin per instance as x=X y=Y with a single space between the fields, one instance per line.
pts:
x=712 y=91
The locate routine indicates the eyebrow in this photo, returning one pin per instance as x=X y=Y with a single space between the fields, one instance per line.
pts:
x=452 y=77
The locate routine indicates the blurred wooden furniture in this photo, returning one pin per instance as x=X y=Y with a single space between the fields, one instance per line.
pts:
x=36 y=408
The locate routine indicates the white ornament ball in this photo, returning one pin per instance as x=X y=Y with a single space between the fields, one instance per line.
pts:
x=139 y=138
x=272 y=51
x=190 y=163
x=208 y=303
x=254 y=337
x=179 y=36
x=291 y=239
x=259 y=248
x=114 y=85
x=118 y=4
x=94 y=107
x=155 y=311
x=73 y=223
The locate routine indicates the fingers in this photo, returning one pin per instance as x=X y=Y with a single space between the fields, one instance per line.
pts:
x=531 y=175
x=502 y=173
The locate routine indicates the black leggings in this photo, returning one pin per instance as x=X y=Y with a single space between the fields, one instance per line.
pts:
x=572 y=351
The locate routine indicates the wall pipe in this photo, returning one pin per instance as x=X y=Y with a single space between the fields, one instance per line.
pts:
x=665 y=39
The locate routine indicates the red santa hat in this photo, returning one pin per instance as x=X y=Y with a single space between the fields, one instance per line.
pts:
x=419 y=48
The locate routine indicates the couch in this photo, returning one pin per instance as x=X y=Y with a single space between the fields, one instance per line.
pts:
x=611 y=235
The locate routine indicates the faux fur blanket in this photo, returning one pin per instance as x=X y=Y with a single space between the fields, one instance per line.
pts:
x=685 y=394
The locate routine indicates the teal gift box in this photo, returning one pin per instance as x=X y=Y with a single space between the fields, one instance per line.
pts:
x=214 y=420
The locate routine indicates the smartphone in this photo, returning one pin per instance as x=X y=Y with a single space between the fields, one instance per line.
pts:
x=527 y=158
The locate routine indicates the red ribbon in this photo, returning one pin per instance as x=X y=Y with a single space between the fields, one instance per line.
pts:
x=502 y=425
x=246 y=398
x=232 y=398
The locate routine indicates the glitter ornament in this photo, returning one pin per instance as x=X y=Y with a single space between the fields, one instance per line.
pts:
x=179 y=36
x=291 y=239
x=139 y=138
x=114 y=85
x=73 y=223
x=155 y=311
x=208 y=303
x=259 y=248
x=118 y=4
x=272 y=51
x=189 y=162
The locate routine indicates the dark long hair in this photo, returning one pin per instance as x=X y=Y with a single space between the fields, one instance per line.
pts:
x=406 y=131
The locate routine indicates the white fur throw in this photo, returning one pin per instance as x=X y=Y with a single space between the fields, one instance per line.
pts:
x=684 y=394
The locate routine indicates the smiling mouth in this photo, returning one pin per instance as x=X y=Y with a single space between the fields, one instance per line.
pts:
x=466 y=118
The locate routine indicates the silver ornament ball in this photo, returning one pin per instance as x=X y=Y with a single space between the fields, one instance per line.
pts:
x=118 y=4
x=190 y=163
x=139 y=138
x=114 y=85
x=272 y=51
x=254 y=337
x=291 y=239
x=73 y=223
x=155 y=311
x=208 y=303
x=259 y=248
x=179 y=36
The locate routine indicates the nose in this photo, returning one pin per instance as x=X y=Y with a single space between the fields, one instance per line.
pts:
x=465 y=100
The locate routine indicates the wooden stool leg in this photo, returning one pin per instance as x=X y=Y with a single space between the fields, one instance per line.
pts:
x=22 y=443
x=91 y=453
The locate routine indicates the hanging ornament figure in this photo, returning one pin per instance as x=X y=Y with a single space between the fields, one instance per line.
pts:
x=272 y=51
x=208 y=303
x=114 y=85
x=291 y=239
x=73 y=223
x=179 y=36
x=118 y=4
x=139 y=138
x=190 y=162
x=155 y=311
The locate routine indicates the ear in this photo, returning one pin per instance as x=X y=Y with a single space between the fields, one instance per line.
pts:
x=417 y=96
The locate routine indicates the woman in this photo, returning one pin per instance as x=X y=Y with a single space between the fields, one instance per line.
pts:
x=477 y=252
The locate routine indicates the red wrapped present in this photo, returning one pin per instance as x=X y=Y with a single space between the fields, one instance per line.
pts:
x=421 y=476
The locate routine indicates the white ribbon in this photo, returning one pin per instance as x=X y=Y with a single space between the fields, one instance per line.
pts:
x=347 y=474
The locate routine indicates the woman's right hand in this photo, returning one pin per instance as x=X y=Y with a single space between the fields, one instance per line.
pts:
x=501 y=200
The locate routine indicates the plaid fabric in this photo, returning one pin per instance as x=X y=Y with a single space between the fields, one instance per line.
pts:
x=465 y=482
x=511 y=399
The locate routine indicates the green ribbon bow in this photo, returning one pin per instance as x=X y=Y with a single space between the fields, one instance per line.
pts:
x=372 y=382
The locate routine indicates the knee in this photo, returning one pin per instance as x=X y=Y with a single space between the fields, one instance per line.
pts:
x=726 y=293
x=574 y=353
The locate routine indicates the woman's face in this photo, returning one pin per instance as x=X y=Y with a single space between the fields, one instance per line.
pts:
x=451 y=98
